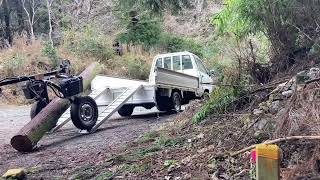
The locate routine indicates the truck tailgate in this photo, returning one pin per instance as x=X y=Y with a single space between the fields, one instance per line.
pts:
x=167 y=78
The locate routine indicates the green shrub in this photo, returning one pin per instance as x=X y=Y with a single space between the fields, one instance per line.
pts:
x=146 y=33
x=173 y=43
x=51 y=52
x=137 y=68
x=220 y=100
x=88 y=44
x=104 y=176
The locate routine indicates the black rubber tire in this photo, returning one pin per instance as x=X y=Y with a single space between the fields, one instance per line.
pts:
x=126 y=110
x=84 y=112
x=206 y=96
x=36 y=108
x=163 y=103
x=176 y=102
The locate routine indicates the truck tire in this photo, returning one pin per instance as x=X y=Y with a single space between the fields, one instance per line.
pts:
x=176 y=101
x=126 y=110
x=36 y=108
x=84 y=112
x=206 y=96
x=163 y=103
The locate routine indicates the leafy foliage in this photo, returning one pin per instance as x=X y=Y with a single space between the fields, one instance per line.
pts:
x=220 y=100
x=145 y=32
x=51 y=53
x=88 y=44
x=137 y=68
x=174 y=43
x=143 y=19
x=290 y=25
x=153 y=7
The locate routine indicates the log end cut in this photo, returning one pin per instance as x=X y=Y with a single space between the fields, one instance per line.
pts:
x=22 y=143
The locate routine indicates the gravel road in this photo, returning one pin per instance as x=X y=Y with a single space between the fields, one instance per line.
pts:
x=60 y=153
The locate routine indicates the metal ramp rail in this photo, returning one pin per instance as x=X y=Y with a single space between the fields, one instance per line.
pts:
x=115 y=106
x=105 y=113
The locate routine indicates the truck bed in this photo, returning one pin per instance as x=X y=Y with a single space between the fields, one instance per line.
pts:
x=165 y=78
x=115 y=86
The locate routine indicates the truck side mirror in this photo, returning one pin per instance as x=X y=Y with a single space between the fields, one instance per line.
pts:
x=211 y=72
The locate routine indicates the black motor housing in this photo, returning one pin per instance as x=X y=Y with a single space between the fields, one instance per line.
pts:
x=71 y=86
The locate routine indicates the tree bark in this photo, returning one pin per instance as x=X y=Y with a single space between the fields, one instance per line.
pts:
x=6 y=11
x=49 y=3
x=30 y=15
x=19 y=16
x=26 y=139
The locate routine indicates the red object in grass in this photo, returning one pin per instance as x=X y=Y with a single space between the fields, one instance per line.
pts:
x=253 y=156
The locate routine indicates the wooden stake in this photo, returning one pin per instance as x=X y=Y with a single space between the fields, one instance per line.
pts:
x=268 y=166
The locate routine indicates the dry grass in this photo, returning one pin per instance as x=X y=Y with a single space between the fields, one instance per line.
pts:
x=25 y=59
x=123 y=66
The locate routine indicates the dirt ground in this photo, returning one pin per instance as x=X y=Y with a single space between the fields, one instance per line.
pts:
x=59 y=155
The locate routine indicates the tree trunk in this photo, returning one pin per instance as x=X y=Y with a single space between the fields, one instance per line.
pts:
x=7 y=30
x=20 y=16
x=50 y=23
x=30 y=134
x=30 y=15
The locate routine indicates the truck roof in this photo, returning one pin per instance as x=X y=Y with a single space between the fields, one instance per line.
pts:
x=176 y=53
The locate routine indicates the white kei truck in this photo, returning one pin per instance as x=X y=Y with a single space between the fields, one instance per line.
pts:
x=174 y=80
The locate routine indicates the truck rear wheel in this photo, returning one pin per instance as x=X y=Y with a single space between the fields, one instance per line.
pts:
x=84 y=112
x=176 y=101
x=206 y=96
x=126 y=110
x=163 y=103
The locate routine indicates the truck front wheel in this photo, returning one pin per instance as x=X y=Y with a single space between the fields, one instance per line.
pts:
x=126 y=110
x=176 y=101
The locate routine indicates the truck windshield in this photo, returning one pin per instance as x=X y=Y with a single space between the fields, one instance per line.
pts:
x=186 y=62
x=200 y=65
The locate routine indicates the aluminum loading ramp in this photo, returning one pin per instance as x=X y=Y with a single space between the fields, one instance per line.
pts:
x=107 y=112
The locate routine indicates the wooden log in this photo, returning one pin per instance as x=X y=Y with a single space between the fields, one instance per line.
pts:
x=30 y=134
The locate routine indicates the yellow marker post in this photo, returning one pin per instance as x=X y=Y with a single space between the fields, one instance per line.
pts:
x=268 y=166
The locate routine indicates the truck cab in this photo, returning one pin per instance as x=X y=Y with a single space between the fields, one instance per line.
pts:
x=186 y=63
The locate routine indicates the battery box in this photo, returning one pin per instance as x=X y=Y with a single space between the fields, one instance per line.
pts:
x=71 y=86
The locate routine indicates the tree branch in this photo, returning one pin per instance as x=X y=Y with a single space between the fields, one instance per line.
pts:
x=291 y=138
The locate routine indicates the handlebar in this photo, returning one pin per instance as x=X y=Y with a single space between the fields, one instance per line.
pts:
x=64 y=69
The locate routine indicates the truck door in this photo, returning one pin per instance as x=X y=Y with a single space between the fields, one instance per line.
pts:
x=188 y=67
x=203 y=73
